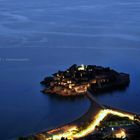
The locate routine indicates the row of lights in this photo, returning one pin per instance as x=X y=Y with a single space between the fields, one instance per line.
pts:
x=72 y=132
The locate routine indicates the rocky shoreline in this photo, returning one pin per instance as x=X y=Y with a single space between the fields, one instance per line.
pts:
x=77 y=79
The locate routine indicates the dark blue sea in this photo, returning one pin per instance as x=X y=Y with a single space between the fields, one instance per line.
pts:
x=37 y=38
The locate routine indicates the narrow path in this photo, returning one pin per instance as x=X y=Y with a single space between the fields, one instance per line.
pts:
x=93 y=99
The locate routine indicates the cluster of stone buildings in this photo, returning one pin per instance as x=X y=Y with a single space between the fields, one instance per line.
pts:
x=76 y=79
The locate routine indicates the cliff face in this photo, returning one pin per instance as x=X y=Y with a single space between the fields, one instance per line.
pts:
x=77 y=79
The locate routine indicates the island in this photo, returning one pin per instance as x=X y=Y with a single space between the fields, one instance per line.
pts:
x=100 y=122
x=77 y=79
